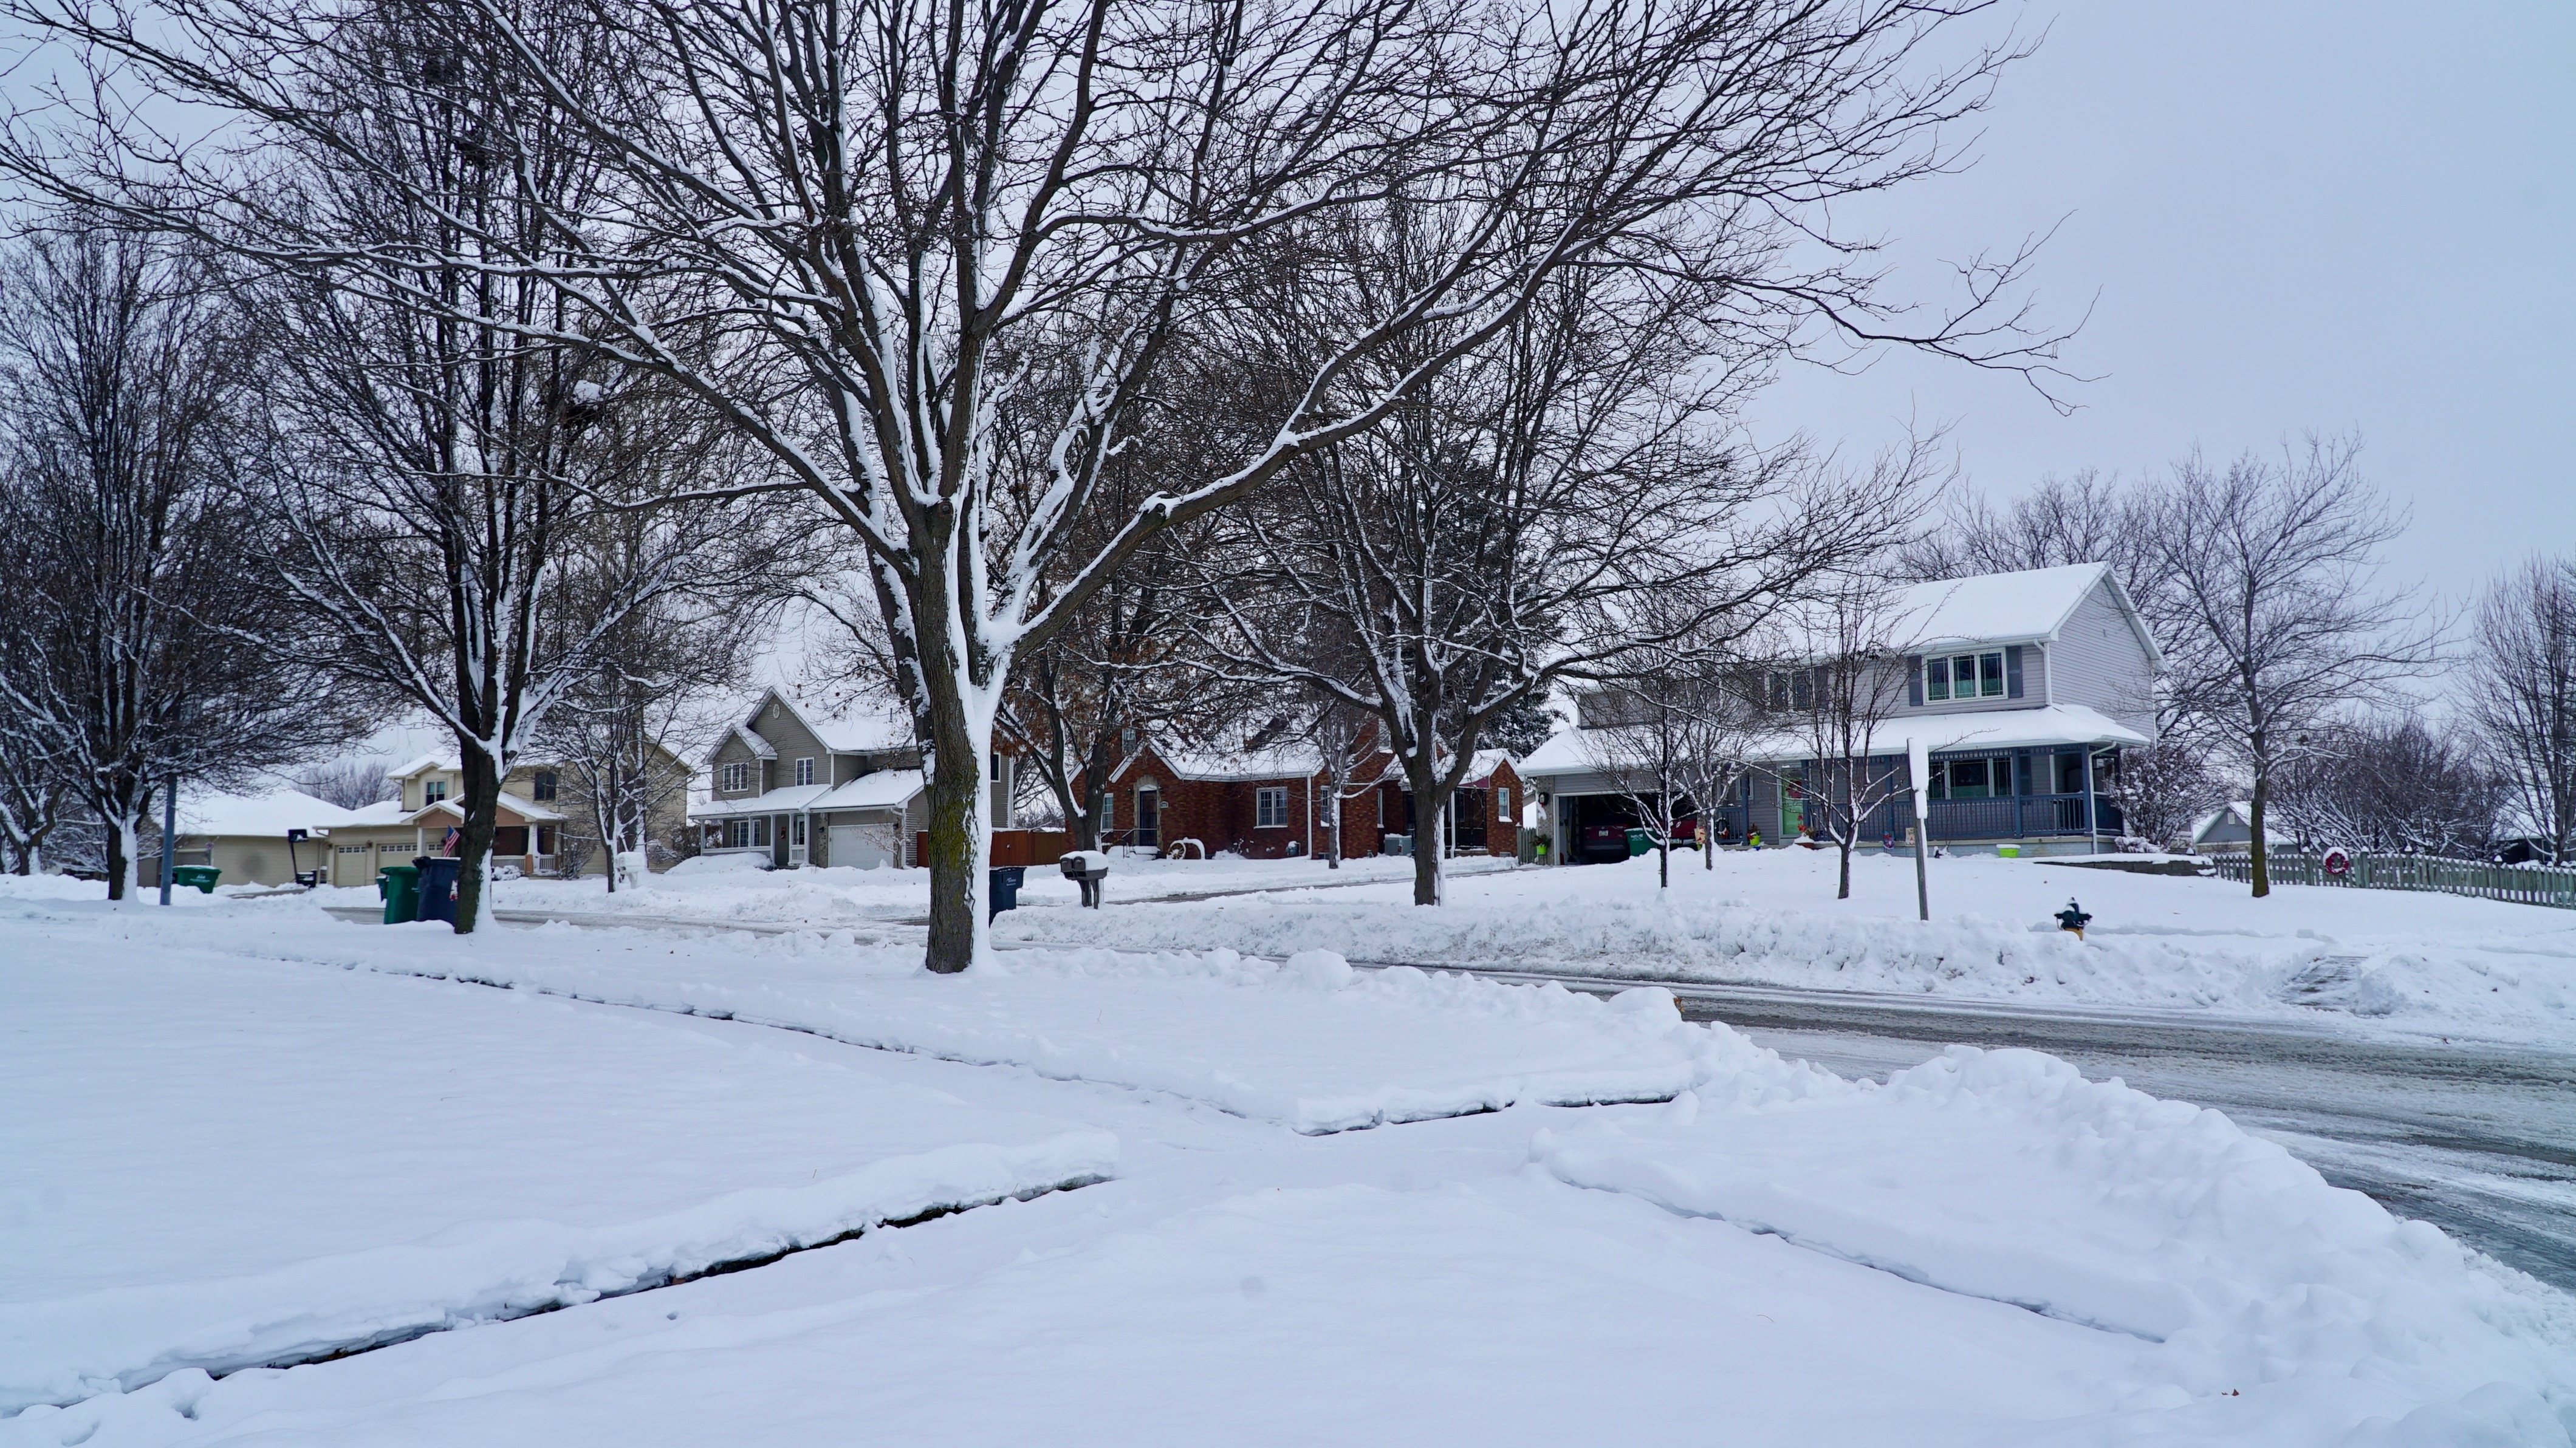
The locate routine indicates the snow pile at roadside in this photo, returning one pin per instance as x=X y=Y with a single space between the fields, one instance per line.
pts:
x=2005 y=1175
x=215 y=1162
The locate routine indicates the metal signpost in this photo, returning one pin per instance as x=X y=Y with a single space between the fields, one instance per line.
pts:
x=1918 y=762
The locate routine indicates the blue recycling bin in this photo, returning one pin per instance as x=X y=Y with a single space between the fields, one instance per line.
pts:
x=438 y=887
x=1004 y=893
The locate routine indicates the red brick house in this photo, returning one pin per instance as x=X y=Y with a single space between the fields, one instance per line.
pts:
x=1269 y=801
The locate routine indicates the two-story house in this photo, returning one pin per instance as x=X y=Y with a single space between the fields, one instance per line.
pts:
x=2023 y=687
x=428 y=809
x=806 y=786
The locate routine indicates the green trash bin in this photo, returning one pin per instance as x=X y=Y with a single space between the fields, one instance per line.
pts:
x=400 y=885
x=1640 y=842
x=201 y=878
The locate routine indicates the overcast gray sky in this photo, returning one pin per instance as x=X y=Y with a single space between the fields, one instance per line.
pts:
x=2329 y=216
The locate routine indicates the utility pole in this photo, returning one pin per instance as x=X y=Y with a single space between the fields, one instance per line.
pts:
x=1918 y=763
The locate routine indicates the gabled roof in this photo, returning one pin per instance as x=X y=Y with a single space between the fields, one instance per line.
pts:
x=1286 y=761
x=885 y=789
x=425 y=762
x=1481 y=767
x=2030 y=606
x=864 y=726
x=760 y=748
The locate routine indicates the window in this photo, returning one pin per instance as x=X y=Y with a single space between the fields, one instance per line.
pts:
x=1936 y=678
x=737 y=835
x=432 y=791
x=1964 y=676
x=798 y=839
x=1502 y=802
x=543 y=785
x=1270 y=807
x=1990 y=675
x=734 y=778
x=804 y=771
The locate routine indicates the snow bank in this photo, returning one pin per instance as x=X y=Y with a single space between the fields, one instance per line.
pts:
x=241 y=1162
x=2005 y=1175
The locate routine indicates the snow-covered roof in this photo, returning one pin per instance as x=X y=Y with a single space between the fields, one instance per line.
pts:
x=382 y=812
x=1283 y=761
x=884 y=789
x=427 y=761
x=1579 y=751
x=2033 y=604
x=760 y=748
x=862 y=728
x=268 y=815
x=1481 y=767
x=517 y=804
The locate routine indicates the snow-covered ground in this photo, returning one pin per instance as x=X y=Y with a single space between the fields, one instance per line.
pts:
x=731 y=890
x=2375 y=959
x=247 y=1125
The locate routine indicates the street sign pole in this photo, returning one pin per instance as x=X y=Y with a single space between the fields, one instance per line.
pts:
x=1918 y=762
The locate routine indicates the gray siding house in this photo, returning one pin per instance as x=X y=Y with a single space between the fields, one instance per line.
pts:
x=801 y=786
x=2024 y=687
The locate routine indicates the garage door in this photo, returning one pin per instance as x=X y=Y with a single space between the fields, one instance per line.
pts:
x=860 y=846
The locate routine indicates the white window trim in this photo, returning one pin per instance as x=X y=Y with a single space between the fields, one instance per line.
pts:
x=805 y=770
x=1502 y=801
x=1263 y=795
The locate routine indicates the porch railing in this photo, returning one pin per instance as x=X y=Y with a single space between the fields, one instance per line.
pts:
x=2553 y=886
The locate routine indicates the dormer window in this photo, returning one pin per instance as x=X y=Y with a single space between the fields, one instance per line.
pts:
x=432 y=791
x=734 y=778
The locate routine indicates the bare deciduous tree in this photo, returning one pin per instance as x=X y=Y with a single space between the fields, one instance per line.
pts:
x=892 y=212
x=123 y=655
x=348 y=783
x=2278 y=621
x=2522 y=695
x=2387 y=783
x=1844 y=680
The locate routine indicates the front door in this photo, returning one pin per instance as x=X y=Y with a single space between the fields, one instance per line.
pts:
x=1793 y=803
x=1149 y=819
x=796 y=843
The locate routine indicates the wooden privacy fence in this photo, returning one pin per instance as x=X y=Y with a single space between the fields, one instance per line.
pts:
x=2520 y=884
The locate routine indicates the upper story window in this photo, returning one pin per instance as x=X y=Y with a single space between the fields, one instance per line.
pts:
x=1270 y=807
x=543 y=785
x=804 y=771
x=1964 y=676
x=734 y=778
x=432 y=791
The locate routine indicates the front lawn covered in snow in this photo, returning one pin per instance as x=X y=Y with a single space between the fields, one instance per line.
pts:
x=2425 y=963
x=254 y=1124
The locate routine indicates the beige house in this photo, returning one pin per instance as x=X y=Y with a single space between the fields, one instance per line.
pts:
x=254 y=839
x=803 y=786
x=429 y=809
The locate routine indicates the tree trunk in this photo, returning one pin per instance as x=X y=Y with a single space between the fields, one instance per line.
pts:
x=959 y=847
x=1844 y=893
x=474 y=846
x=1664 y=862
x=121 y=837
x=2262 y=847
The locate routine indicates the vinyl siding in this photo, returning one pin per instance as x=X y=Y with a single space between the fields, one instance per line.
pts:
x=2102 y=665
